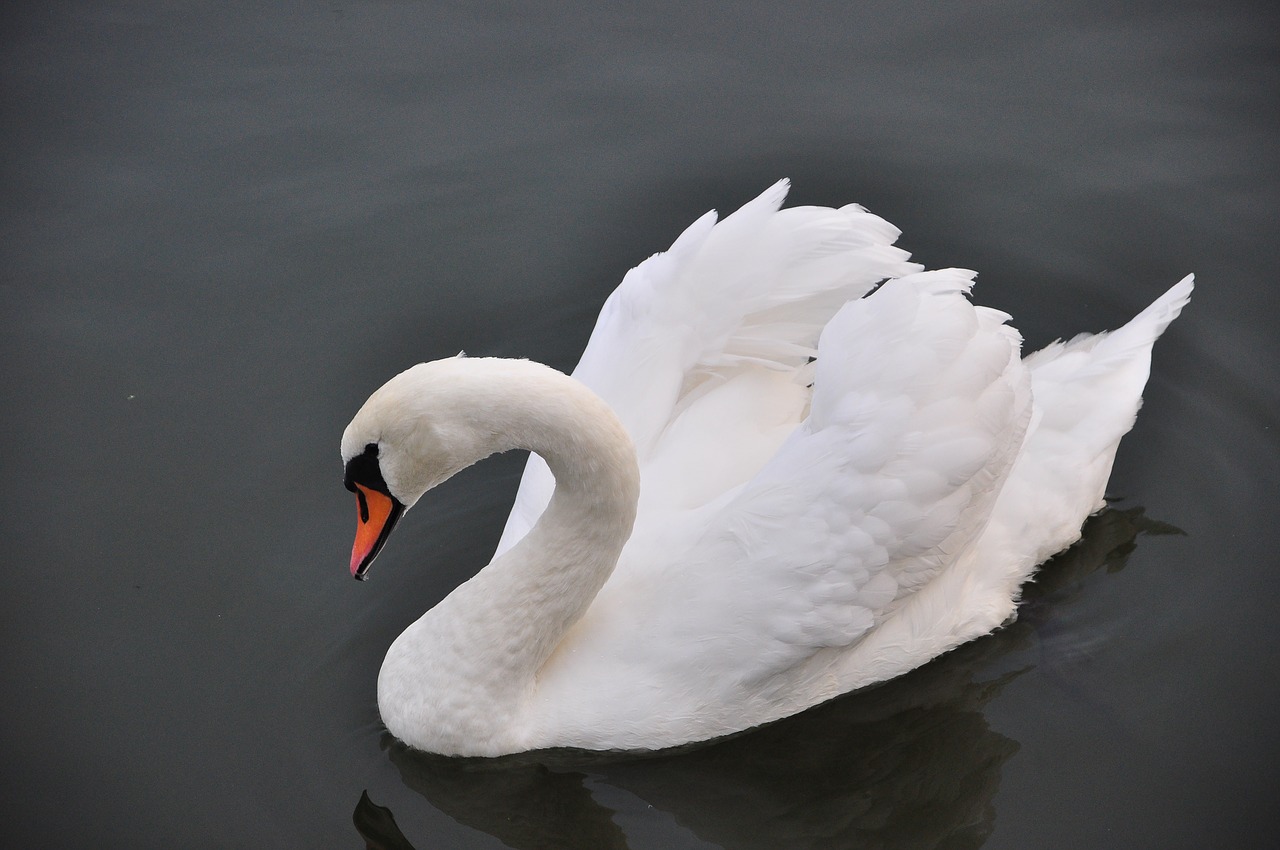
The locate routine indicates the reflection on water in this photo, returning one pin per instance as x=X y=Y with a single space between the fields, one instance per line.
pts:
x=911 y=763
x=378 y=826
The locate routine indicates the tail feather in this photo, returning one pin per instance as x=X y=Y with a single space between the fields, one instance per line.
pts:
x=1086 y=397
x=1109 y=347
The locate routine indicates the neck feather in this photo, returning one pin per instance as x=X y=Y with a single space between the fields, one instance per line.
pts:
x=472 y=661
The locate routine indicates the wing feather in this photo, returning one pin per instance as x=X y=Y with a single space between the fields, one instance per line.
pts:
x=919 y=407
x=751 y=292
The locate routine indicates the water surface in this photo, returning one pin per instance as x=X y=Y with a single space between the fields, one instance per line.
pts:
x=225 y=226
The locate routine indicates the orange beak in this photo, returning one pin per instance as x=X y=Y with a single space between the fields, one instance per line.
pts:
x=376 y=515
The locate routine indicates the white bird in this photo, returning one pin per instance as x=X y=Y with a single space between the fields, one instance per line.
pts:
x=759 y=489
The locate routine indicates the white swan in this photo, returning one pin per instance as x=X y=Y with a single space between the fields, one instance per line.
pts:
x=736 y=531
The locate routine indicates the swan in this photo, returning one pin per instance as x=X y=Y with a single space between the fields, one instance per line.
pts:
x=761 y=488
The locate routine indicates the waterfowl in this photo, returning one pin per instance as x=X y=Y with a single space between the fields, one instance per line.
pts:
x=761 y=487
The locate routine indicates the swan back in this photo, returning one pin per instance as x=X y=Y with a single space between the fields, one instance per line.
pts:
x=895 y=469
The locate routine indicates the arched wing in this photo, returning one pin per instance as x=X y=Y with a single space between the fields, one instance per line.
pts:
x=920 y=405
x=753 y=290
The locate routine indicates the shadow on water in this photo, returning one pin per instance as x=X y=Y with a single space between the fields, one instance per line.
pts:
x=911 y=763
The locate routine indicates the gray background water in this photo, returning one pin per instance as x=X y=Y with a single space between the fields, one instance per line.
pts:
x=223 y=226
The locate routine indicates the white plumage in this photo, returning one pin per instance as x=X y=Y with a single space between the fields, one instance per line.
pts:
x=803 y=527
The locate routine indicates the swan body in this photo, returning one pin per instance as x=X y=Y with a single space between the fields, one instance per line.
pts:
x=759 y=489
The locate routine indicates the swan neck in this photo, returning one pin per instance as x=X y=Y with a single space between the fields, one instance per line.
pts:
x=485 y=643
x=552 y=575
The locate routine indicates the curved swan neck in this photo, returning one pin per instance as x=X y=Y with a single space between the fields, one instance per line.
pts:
x=549 y=578
x=471 y=662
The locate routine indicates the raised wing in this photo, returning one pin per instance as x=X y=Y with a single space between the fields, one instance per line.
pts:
x=920 y=405
x=754 y=290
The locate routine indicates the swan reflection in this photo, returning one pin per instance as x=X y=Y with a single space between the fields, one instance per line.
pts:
x=912 y=763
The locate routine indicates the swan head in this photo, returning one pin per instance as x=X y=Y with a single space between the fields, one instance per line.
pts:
x=377 y=510
x=417 y=430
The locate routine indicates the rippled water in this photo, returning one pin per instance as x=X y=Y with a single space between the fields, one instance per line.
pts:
x=224 y=227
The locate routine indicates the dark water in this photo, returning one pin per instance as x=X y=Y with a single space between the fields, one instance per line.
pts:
x=224 y=227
